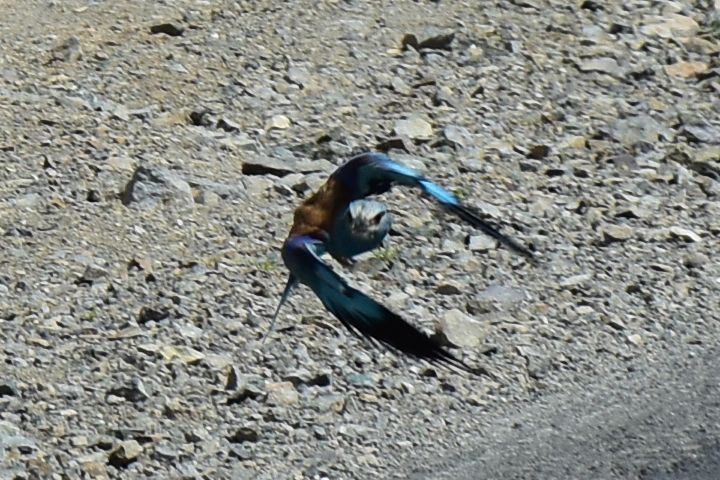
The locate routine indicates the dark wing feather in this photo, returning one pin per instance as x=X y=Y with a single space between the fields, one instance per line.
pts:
x=372 y=169
x=359 y=313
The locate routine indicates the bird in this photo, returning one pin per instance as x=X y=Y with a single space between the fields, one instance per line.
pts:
x=338 y=220
x=361 y=228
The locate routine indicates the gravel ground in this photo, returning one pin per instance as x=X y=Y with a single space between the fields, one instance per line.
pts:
x=152 y=155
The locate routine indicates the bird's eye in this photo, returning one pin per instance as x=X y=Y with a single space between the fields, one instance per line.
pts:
x=376 y=219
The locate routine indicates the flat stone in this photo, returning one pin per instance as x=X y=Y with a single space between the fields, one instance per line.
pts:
x=460 y=330
x=277 y=122
x=125 y=453
x=482 y=243
x=185 y=354
x=414 y=127
x=674 y=25
x=686 y=69
x=601 y=64
x=685 y=234
x=617 y=233
x=281 y=394
x=154 y=186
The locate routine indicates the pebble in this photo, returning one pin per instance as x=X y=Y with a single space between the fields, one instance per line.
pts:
x=460 y=330
x=685 y=234
x=414 y=127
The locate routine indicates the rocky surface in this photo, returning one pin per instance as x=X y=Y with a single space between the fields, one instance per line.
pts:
x=152 y=154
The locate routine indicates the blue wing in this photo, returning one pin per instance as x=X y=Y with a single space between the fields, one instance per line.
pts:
x=359 y=313
x=374 y=173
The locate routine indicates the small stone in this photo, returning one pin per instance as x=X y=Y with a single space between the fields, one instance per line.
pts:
x=684 y=234
x=617 y=233
x=186 y=354
x=246 y=392
x=298 y=75
x=125 y=453
x=575 y=280
x=92 y=274
x=602 y=64
x=414 y=127
x=635 y=339
x=305 y=377
x=501 y=294
x=8 y=388
x=277 y=122
x=281 y=394
x=451 y=246
x=152 y=314
x=262 y=165
x=231 y=379
x=639 y=129
x=329 y=403
x=399 y=85
x=166 y=451
x=152 y=186
x=672 y=25
x=457 y=137
x=228 y=125
x=575 y=142
x=449 y=289
x=538 y=152
x=685 y=69
x=460 y=330
x=171 y=29
x=69 y=51
x=696 y=260
x=482 y=243
x=94 y=464
x=615 y=323
x=445 y=96
x=131 y=331
x=244 y=434
x=360 y=380
x=438 y=41
x=134 y=392
x=217 y=361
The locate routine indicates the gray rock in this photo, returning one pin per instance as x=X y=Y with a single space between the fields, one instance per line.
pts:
x=244 y=434
x=684 y=234
x=458 y=137
x=414 y=127
x=601 y=64
x=460 y=330
x=281 y=168
x=617 y=233
x=125 y=453
x=281 y=394
x=482 y=243
x=151 y=186
x=170 y=29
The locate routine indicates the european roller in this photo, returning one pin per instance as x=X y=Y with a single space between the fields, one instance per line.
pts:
x=337 y=220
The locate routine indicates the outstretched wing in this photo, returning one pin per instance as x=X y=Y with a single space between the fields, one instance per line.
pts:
x=374 y=173
x=359 y=313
